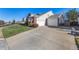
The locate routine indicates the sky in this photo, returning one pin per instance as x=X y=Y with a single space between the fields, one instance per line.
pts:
x=9 y=14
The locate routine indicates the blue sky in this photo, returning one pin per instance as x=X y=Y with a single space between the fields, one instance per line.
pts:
x=8 y=14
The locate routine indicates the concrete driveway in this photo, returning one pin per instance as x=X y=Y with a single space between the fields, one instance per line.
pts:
x=43 y=38
x=3 y=43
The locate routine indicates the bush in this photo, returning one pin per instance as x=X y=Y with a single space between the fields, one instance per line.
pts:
x=35 y=25
x=30 y=24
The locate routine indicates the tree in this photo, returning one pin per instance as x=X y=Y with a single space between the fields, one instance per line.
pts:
x=72 y=16
x=37 y=14
x=26 y=22
x=29 y=14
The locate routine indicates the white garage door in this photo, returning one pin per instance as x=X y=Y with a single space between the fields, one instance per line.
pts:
x=52 y=22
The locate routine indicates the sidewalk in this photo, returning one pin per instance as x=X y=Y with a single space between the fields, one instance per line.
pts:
x=3 y=43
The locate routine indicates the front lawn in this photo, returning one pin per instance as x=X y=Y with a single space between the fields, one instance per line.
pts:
x=77 y=41
x=11 y=30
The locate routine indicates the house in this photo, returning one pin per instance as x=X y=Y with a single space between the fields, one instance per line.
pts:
x=39 y=19
x=2 y=23
x=50 y=19
x=46 y=19
x=42 y=18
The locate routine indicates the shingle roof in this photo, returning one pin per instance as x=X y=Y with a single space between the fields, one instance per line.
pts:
x=56 y=15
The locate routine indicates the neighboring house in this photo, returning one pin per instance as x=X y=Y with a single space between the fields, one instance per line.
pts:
x=2 y=23
x=21 y=22
x=8 y=23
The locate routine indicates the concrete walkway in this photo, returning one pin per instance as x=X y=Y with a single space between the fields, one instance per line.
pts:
x=43 y=38
x=3 y=43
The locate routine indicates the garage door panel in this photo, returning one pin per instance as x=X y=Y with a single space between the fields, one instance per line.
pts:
x=52 y=22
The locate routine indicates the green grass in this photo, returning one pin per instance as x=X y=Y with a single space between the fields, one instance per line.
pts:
x=11 y=30
x=77 y=42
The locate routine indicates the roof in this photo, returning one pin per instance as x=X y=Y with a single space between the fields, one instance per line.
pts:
x=56 y=15
x=46 y=12
x=34 y=15
x=49 y=12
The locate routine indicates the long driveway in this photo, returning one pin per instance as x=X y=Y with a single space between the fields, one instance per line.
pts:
x=43 y=38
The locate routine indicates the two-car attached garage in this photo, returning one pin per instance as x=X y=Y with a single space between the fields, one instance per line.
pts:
x=53 y=20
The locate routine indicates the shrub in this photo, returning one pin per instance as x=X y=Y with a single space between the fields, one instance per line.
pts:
x=35 y=25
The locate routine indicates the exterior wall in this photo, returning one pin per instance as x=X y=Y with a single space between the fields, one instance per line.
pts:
x=53 y=21
x=61 y=20
x=78 y=20
x=42 y=19
x=32 y=20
